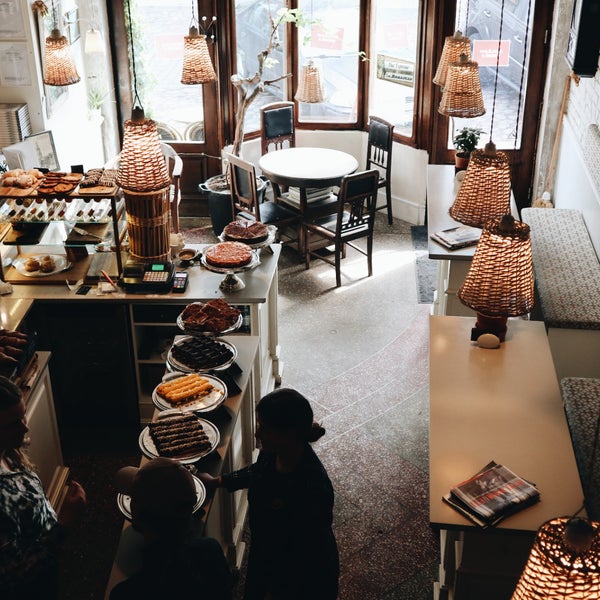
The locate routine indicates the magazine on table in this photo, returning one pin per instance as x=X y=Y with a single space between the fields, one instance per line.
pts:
x=491 y=495
x=457 y=237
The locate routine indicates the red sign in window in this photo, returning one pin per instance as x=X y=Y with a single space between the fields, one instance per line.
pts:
x=330 y=38
x=169 y=45
x=485 y=52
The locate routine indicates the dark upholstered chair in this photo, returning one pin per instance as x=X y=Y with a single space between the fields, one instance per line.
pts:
x=354 y=219
x=379 y=156
x=277 y=131
x=245 y=202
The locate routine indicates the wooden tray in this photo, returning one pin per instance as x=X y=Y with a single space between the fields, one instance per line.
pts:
x=15 y=192
x=98 y=190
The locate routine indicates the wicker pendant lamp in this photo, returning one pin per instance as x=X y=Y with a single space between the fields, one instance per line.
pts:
x=310 y=88
x=462 y=95
x=60 y=68
x=197 y=65
x=484 y=193
x=454 y=46
x=564 y=563
x=499 y=283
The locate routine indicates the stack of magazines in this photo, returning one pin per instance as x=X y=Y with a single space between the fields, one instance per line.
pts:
x=491 y=495
x=457 y=237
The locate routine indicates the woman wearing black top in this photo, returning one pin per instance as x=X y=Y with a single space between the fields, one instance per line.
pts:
x=293 y=553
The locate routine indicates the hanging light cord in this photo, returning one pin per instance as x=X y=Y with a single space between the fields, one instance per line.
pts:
x=497 y=67
x=194 y=22
x=54 y=21
x=466 y=18
x=135 y=92
x=522 y=75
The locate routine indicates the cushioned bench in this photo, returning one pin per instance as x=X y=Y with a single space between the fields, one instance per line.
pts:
x=567 y=277
x=581 y=398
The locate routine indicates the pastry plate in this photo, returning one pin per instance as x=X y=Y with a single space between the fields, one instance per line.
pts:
x=124 y=501
x=205 y=404
x=254 y=262
x=179 y=366
x=61 y=264
x=197 y=331
x=149 y=449
x=269 y=239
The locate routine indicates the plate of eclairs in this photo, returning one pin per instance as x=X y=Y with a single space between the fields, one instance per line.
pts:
x=195 y=392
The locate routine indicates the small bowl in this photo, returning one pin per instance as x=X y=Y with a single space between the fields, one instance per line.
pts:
x=187 y=256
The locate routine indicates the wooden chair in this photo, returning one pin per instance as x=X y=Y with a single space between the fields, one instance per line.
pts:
x=354 y=219
x=379 y=156
x=175 y=167
x=277 y=131
x=245 y=202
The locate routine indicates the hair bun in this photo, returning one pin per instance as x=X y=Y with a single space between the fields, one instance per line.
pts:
x=317 y=431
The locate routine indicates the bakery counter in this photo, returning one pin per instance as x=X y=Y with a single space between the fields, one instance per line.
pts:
x=119 y=336
x=13 y=311
x=222 y=515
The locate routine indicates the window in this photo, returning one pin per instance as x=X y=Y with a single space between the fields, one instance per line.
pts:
x=331 y=41
x=253 y=29
x=392 y=65
x=158 y=31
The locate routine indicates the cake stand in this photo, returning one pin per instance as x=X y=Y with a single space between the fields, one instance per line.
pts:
x=231 y=282
x=271 y=236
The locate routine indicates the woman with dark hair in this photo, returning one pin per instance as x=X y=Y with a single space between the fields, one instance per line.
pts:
x=293 y=553
x=30 y=531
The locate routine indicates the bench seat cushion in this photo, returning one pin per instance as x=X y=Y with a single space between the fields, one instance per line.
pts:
x=581 y=397
x=566 y=267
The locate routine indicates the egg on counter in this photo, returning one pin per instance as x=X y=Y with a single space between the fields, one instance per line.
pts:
x=488 y=340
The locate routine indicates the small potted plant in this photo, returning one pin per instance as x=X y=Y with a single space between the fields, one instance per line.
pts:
x=465 y=141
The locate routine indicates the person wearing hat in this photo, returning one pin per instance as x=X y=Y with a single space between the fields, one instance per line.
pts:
x=176 y=563
x=30 y=530
x=293 y=553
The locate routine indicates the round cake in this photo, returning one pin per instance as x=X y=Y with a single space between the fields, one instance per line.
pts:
x=250 y=232
x=228 y=255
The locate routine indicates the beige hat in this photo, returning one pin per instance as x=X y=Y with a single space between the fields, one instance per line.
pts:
x=161 y=488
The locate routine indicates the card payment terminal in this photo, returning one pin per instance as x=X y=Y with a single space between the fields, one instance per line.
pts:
x=147 y=276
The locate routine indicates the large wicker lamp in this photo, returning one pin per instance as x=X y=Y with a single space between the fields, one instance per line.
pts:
x=454 y=46
x=145 y=180
x=499 y=283
x=197 y=65
x=462 y=96
x=564 y=563
x=60 y=69
x=484 y=193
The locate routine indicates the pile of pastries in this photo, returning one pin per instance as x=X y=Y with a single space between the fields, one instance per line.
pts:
x=20 y=178
x=213 y=317
x=45 y=264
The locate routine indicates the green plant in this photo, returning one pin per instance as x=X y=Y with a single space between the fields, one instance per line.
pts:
x=466 y=140
x=96 y=98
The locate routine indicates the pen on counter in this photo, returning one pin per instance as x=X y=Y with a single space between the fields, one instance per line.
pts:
x=107 y=277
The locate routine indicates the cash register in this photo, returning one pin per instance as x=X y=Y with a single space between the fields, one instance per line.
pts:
x=139 y=276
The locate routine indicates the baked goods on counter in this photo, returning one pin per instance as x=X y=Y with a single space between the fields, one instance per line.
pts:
x=201 y=353
x=228 y=255
x=249 y=232
x=214 y=316
x=179 y=435
x=21 y=178
x=183 y=390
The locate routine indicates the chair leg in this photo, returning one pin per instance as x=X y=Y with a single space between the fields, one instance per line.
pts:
x=338 y=259
x=307 y=252
x=175 y=216
x=370 y=255
x=388 y=197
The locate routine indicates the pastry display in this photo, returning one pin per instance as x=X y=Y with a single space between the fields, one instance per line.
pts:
x=179 y=435
x=91 y=179
x=250 y=232
x=202 y=353
x=32 y=264
x=47 y=264
x=213 y=317
x=184 y=389
x=20 y=178
x=228 y=255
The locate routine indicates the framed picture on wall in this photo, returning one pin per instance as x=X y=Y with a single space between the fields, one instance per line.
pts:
x=42 y=145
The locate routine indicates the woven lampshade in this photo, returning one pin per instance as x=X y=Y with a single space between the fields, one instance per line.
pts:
x=142 y=166
x=454 y=46
x=60 y=68
x=94 y=44
x=500 y=280
x=197 y=66
x=310 y=88
x=564 y=562
x=462 y=95
x=484 y=193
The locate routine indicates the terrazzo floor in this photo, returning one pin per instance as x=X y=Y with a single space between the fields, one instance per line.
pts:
x=360 y=354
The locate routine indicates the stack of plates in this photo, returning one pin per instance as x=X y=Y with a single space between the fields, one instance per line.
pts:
x=15 y=124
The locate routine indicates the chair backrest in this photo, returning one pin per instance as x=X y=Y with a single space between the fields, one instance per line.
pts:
x=174 y=162
x=242 y=184
x=357 y=199
x=277 y=126
x=379 y=145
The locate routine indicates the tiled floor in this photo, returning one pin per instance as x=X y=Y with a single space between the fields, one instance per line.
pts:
x=360 y=354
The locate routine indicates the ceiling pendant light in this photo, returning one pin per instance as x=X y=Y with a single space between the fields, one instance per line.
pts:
x=310 y=88
x=454 y=46
x=197 y=65
x=60 y=69
x=462 y=95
